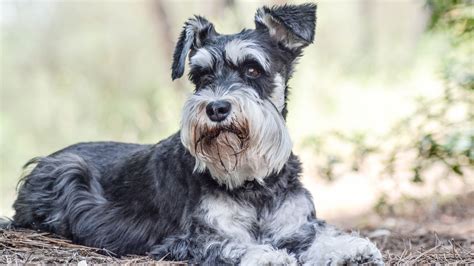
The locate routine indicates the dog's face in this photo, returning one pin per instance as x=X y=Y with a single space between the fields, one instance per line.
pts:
x=234 y=123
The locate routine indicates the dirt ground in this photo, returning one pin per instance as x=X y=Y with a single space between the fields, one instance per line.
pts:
x=423 y=235
x=427 y=232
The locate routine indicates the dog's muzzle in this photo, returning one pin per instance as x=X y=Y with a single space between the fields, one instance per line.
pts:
x=234 y=134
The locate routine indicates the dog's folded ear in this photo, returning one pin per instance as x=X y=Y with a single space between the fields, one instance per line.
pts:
x=195 y=31
x=290 y=25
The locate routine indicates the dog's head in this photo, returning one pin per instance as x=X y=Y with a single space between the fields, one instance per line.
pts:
x=234 y=123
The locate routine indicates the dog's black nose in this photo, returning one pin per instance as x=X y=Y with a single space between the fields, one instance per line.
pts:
x=217 y=111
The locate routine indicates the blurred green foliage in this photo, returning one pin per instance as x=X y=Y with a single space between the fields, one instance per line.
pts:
x=439 y=132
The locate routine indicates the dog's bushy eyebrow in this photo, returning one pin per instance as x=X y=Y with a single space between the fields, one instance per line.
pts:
x=237 y=51
x=203 y=58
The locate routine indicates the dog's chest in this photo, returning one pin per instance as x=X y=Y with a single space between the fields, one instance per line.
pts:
x=247 y=223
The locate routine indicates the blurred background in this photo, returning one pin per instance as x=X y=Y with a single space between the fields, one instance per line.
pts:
x=381 y=110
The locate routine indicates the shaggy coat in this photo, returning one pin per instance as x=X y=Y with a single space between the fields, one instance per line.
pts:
x=221 y=191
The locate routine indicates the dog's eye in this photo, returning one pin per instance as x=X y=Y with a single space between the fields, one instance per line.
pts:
x=252 y=72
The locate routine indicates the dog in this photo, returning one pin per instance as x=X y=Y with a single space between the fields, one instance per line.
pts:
x=225 y=189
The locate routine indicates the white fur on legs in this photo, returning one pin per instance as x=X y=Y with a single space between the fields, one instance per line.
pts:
x=265 y=255
x=333 y=248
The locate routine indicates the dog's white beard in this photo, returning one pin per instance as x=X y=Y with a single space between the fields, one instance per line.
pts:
x=252 y=143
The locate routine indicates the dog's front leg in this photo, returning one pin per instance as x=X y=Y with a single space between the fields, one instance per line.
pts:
x=221 y=231
x=333 y=247
x=207 y=247
x=224 y=233
x=293 y=226
x=247 y=254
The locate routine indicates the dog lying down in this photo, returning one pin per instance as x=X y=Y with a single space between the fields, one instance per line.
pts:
x=225 y=189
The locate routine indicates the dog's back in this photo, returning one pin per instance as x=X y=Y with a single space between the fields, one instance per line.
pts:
x=82 y=192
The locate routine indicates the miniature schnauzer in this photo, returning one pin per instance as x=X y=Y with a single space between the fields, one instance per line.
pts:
x=225 y=189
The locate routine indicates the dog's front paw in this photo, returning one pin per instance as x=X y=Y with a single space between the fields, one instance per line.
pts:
x=267 y=257
x=344 y=250
x=362 y=251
